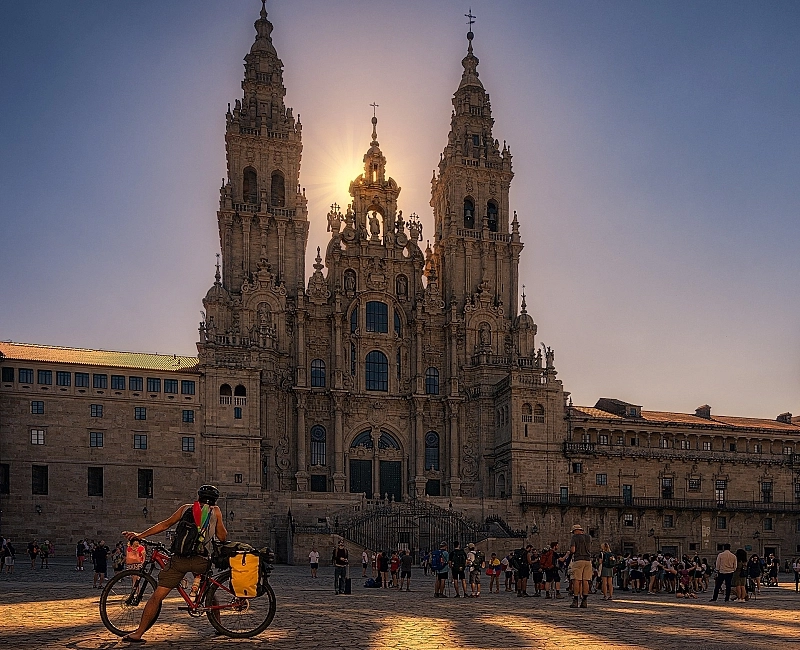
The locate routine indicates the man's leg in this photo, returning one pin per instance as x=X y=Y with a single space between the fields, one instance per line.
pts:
x=150 y=611
x=718 y=579
x=728 y=578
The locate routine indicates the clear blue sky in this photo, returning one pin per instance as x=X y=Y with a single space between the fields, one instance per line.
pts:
x=656 y=149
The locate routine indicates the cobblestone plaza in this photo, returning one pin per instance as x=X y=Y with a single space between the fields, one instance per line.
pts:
x=57 y=608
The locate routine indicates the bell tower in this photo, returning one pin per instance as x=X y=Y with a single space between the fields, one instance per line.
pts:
x=262 y=215
x=477 y=240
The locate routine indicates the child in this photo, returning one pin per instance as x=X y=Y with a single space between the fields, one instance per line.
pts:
x=494 y=572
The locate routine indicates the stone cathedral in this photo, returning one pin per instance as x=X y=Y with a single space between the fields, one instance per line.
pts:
x=392 y=371
x=401 y=376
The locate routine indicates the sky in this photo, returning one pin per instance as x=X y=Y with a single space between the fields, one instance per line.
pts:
x=656 y=151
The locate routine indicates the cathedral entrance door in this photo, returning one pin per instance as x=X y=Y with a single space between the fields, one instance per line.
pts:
x=361 y=477
x=391 y=481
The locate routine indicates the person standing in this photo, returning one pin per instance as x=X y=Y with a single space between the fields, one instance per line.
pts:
x=10 y=556
x=725 y=566
x=549 y=564
x=100 y=561
x=580 y=552
x=607 y=563
x=476 y=560
x=440 y=559
x=739 y=580
x=33 y=552
x=796 y=569
x=79 y=555
x=494 y=572
x=458 y=564
x=406 y=561
x=364 y=563
x=313 y=561
x=340 y=563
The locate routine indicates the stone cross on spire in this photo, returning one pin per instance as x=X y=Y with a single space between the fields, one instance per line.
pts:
x=374 y=142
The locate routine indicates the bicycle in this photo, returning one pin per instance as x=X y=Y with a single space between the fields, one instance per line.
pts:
x=124 y=596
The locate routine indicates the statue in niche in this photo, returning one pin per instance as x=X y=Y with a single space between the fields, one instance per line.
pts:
x=349 y=216
x=350 y=281
x=374 y=226
x=399 y=223
x=401 y=286
x=485 y=334
x=538 y=360
x=362 y=231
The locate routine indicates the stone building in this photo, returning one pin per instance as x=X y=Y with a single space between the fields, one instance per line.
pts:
x=392 y=374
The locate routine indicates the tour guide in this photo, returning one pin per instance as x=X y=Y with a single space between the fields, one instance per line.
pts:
x=198 y=563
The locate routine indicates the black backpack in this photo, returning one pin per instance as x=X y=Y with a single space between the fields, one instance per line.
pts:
x=188 y=539
x=518 y=559
x=459 y=559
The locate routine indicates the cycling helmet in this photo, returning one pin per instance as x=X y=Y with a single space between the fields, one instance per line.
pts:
x=208 y=494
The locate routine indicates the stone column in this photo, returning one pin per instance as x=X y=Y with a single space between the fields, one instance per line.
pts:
x=419 y=448
x=376 y=465
x=302 y=362
x=455 y=478
x=302 y=476
x=281 y=246
x=246 y=243
x=339 y=477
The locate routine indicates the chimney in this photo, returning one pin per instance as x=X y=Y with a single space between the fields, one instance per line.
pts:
x=786 y=418
x=703 y=412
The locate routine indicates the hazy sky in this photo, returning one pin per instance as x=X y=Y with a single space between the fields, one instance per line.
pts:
x=656 y=150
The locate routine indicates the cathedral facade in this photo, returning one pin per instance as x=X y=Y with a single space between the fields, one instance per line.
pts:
x=397 y=371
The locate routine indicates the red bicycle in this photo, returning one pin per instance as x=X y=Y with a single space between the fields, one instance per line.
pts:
x=124 y=597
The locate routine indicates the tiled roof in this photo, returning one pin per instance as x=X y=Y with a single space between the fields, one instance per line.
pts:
x=82 y=356
x=666 y=417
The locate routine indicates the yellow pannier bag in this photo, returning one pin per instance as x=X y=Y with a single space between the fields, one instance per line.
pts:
x=244 y=575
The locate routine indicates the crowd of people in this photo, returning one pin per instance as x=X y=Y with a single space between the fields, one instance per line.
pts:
x=531 y=572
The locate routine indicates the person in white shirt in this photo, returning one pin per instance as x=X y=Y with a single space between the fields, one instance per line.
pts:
x=364 y=563
x=313 y=559
x=725 y=565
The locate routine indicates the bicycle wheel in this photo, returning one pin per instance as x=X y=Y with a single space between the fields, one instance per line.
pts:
x=123 y=599
x=239 y=618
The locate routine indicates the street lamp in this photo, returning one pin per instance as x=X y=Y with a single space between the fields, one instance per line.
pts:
x=38 y=510
x=145 y=511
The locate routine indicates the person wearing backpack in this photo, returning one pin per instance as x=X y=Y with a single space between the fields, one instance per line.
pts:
x=549 y=564
x=476 y=560
x=458 y=564
x=440 y=560
x=197 y=523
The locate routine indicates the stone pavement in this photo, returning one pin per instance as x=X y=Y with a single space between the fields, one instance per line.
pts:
x=57 y=608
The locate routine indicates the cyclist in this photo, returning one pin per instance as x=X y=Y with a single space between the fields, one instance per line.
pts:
x=178 y=566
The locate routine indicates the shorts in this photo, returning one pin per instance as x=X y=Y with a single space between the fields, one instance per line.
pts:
x=314 y=565
x=405 y=574
x=536 y=576
x=509 y=574
x=523 y=573
x=582 y=569
x=442 y=576
x=178 y=567
x=9 y=561
x=474 y=577
x=458 y=574
x=363 y=564
x=607 y=572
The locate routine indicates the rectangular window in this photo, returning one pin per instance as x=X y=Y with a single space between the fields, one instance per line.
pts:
x=706 y=445
x=719 y=490
x=238 y=478
x=37 y=407
x=601 y=479
x=732 y=446
x=26 y=375
x=377 y=317
x=140 y=441
x=96 y=410
x=722 y=523
x=100 y=381
x=766 y=491
x=171 y=386
x=188 y=415
x=634 y=442
x=669 y=521
x=82 y=379
x=187 y=443
x=139 y=412
x=667 y=491
x=44 y=377
x=5 y=478
x=627 y=520
x=620 y=440
x=37 y=436
x=768 y=523
x=8 y=373
x=95 y=438
x=117 y=382
x=797 y=492
x=586 y=437
x=95 y=481
x=135 y=383
x=39 y=479
x=788 y=451
x=692 y=546
x=187 y=387
x=145 y=484
x=757 y=448
x=796 y=524
x=153 y=385
x=694 y=485
x=685 y=444
x=237 y=413
x=602 y=439
x=663 y=443
x=577 y=468
x=63 y=378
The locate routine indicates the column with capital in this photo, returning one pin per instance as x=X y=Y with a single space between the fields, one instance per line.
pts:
x=376 y=465
x=339 y=477
x=419 y=448
x=455 y=478
x=302 y=476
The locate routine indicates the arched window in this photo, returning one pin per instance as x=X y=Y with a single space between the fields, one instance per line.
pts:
x=388 y=441
x=377 y=317
x=377 y=371
x=527 y=413
x=250 y=186
x=277 y=196
x=225 y=390
x=240 y=391
x=501 y=486
x=469 y=214
x=538 y=413
x=398 y=329
x=318 y=373
x=363 y=439
x=431 y=381
x=432 y=451
x=491 y=214
x=318 y=445
x=354 y=320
